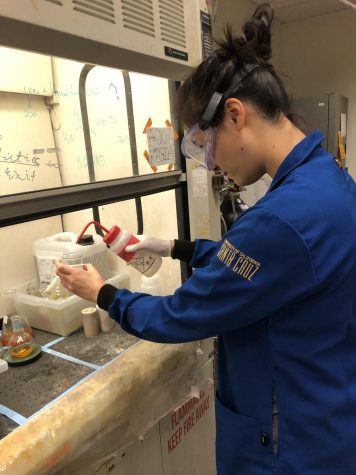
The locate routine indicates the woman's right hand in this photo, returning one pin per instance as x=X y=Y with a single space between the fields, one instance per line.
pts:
x=161 y=247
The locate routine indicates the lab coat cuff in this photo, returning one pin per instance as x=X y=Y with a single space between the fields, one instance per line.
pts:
x=183 y=250
x=106 y=296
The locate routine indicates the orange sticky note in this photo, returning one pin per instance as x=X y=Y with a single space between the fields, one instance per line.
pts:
x=147 y=157
x=148 y=125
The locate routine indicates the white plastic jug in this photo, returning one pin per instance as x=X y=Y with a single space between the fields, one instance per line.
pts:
x=47 y=250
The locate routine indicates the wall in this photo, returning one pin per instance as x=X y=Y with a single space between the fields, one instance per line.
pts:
x=314 y=56
x=319 y=56
x=237 y=13
x=231 y=11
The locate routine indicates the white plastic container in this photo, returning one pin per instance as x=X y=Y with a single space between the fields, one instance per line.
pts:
x=61 y=317
x=90 y=319
x=145 y=262
x=150 y=285
x=47 y=250
x=3 y=366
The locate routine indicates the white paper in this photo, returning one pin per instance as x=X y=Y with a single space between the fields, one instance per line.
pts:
x=199 y=182
x=161 y=145
x=343 y=125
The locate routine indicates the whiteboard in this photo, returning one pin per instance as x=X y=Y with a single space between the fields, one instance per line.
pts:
x=28 y=156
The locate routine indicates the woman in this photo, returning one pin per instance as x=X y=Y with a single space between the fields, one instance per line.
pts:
x=279 y=289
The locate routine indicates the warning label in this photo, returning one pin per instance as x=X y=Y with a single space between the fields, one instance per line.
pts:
x=185 y=418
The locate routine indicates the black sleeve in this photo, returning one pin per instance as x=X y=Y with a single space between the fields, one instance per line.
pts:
x=183 y=250
x=106 y=296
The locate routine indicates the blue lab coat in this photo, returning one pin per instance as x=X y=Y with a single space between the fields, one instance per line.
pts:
x=279 y=291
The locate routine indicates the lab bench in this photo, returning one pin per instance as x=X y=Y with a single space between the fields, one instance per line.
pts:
x=88 y=405
x=64 y=362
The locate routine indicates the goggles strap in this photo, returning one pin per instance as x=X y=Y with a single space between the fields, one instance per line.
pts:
x=240 y=77
x=217 y=98
x=210 y=111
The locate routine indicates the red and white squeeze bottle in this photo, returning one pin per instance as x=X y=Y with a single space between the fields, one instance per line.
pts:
x=117 y=239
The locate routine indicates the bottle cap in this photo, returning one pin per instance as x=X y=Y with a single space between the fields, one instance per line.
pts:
x=86 y=240
x=112 y=234
x=88 y=311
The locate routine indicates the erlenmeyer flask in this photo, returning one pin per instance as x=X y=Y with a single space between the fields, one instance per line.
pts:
x=20 y=343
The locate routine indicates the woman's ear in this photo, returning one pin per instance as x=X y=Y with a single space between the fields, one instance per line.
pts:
x=235 y=112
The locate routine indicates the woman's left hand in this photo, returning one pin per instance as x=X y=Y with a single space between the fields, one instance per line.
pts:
x=85 y=282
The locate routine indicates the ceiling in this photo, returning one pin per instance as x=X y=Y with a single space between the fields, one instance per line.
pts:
x=287 y=11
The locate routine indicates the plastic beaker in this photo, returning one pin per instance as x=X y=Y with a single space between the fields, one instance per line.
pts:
x=72 y=260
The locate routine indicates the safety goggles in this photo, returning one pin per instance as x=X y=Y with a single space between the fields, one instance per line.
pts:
x=198 y=145
x=198 y=141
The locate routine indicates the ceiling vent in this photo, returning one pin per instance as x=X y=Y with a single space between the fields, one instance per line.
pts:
x=172 y=25
x=137 y=15
x=101 y=9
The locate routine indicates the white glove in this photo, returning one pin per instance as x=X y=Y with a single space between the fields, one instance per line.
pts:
x=161 y=247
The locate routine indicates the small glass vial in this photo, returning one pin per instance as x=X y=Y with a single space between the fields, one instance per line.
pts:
x=6 y=331
x=146 y=262
x=20 y=343
x=9 y=299
x=8 y=296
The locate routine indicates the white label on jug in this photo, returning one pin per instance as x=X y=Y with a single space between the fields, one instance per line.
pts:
x=46 y=266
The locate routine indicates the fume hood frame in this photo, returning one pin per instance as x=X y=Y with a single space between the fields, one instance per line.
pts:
x=158 y=37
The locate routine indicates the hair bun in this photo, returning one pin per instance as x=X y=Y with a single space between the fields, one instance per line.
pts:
x=257 y=31
x=254 y=46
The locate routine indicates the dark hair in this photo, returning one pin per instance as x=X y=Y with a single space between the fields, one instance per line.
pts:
x=262 y=86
